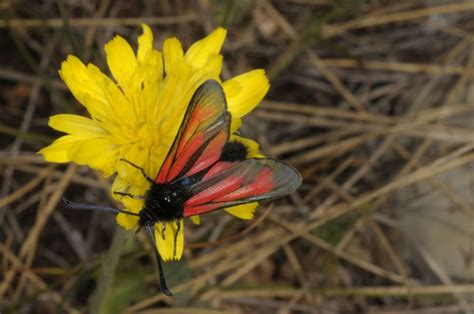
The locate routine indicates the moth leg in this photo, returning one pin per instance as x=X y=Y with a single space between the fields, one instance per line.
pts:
x=139 y=168
x=178 y=225
x=163 y=286
x=137 y=197
x=138 y=229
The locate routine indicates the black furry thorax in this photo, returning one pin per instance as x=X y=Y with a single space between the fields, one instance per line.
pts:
x=163 y=202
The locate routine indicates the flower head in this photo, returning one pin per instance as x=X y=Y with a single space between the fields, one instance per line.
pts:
x=136 y=116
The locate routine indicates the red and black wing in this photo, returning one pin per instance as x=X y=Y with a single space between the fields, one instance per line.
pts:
x=233 y=183
x=198 y=146
x=203 y=133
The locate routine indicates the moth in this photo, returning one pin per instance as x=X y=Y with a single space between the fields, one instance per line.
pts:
x=204 y=171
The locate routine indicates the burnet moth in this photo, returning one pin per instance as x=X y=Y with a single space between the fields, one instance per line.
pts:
x=204 y=171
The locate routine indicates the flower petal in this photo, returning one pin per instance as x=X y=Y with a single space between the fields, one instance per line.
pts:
x=128 y=222
x=235 y=124
x=121 y=185
x=214 y=67
x=76 y=125
x=139 y=156
x=170 y=239
x=199 y=54
x=62 y=149
x=87 y=84
x=172 y=55
x=121 y=60
x=145 y=44
x=196 y=219
x=97 y=153
x=244 y=92
x=244 y=211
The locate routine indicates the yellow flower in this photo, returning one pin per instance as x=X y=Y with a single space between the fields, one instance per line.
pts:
x=137 y=115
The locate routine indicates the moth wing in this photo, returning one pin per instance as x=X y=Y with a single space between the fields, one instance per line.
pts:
x=233 y=183
x=201 y=136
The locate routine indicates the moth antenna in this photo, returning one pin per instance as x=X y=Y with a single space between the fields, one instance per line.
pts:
x=81 y=206
x=163 y=286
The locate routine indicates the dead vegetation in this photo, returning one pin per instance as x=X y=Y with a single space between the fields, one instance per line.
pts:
x=371 y=100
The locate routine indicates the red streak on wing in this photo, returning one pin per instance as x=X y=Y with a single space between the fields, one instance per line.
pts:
x=165 y=168
x=202 y=134
x=227 y=185
x=210 y=154
x=186 y=141
x=189 y=143
x=199 y=209
x=193 y=124
x=184 y=157
x=199 y=116
x=218 y=168
x=263 y=184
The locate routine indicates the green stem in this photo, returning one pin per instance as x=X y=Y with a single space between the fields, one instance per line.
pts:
x=109 y=264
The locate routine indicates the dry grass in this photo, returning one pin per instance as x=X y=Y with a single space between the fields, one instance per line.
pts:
x=372 y=101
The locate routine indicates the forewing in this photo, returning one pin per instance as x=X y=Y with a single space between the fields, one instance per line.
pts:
x=232 y=183
x=201 y=136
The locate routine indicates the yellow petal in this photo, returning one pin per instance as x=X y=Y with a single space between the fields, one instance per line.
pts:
x=235 y=124
x=74 y=73
x=76 y=125
x=145 y=44
x=170 y=239
x=199 y=53
x=214 y=67
x=245 y=91
x=87 y=84
x=130 y=204
x=122 y=109
x=128 y=222
x=172 y=55
x=244 y=211
x=195 y=219
x=97 y=153
x=151 y=91
x=121 y=60
x=62 y=149
x=139 y=156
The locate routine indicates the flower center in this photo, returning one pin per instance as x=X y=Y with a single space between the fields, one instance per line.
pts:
x=148 y=136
